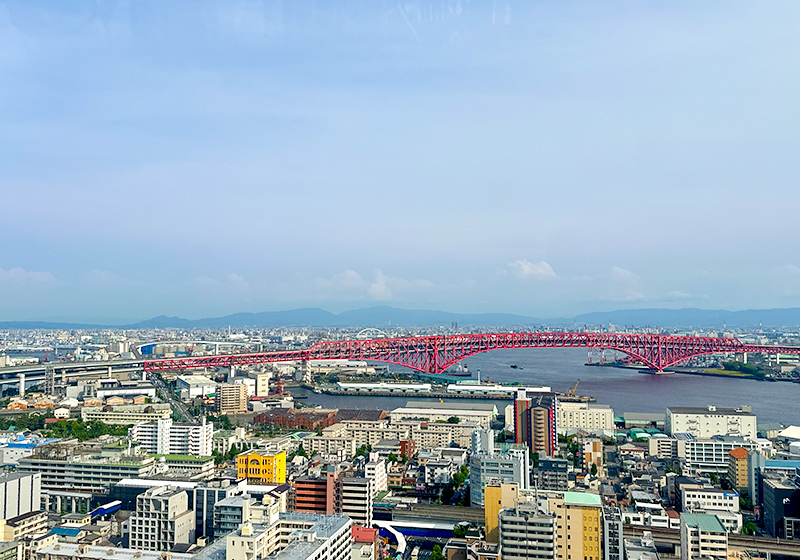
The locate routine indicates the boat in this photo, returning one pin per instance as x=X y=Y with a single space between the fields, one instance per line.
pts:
x=515 y=366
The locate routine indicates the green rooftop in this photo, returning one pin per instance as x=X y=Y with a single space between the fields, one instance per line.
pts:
x=190 y=458
x=582 y=499
x=704 y=522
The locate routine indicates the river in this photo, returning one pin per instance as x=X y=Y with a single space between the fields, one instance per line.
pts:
x=625 y=390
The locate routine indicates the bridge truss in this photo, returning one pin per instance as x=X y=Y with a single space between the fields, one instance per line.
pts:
x=434 y=354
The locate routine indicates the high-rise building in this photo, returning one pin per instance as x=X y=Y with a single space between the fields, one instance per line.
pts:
x=316 y=495
x=20 y=493
x=703 y=537
x=164 y=436
x=488 y=466
x=355 y=499
x=535 y=421
x=375 y=470
x=498 y=496
x=162 y=519
x=737 y=468
x=527 y=532
x=552 y=474
x=262 y=466
x=230 y=398
x=613 y=548
x=579 y=532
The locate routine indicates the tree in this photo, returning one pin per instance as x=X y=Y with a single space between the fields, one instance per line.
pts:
x=392 y=458
x=593 y=470
x=436 y=553
x=301 y=451
x=749 y=528
x=713 y=478
x=448 y=492
x=453 y=420
x=459 y=531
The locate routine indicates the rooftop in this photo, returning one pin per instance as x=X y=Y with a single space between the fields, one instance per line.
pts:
x=709 y=410
x=582 y=499
x=704 y=522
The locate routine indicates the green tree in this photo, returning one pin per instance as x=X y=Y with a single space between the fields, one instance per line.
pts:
x=448 y=492
x=459 y=531
x=301 y=451
x=593 y=470
x=392 y=458
x=713 y=478
x=436 y=553
x=453 y=420
x=749 y=528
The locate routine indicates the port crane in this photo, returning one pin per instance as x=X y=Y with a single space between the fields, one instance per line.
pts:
x=571 y=392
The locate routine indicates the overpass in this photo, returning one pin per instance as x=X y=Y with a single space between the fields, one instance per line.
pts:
x=434 y=354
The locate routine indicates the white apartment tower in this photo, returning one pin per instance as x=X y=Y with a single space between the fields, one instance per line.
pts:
x=164 y=436
x=162 y=519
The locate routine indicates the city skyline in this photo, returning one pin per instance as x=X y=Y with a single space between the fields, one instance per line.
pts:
x=542 y=159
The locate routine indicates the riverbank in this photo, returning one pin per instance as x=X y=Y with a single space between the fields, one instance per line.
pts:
x=440 y=395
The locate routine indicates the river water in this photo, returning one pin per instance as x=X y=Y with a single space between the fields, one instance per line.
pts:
x=625 y=390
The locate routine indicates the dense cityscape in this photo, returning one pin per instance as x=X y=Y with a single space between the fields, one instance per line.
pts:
x=118 y=441
x=415 y=280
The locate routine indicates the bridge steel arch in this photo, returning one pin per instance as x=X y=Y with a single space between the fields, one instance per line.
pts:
x=434 y=354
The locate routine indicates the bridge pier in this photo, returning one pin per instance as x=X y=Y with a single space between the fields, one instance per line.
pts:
x=21 y=384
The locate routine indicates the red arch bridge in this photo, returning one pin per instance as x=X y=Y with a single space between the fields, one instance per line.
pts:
x=434 y=354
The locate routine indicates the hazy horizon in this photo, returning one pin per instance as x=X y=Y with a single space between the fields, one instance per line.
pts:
x=547 y=159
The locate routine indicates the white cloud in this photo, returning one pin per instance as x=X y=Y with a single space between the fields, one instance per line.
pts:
x=379 y=288
x=21 y=276
x=526 y=269
x=677 y=295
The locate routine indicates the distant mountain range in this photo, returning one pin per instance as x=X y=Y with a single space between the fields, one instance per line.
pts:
x=384 y=316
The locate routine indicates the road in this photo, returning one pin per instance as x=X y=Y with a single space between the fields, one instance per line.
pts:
x=166 y=393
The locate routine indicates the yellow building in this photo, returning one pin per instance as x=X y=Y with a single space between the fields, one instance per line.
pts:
x=578 y=530
x=262 y=466
x=497 y=497
x=737 y=468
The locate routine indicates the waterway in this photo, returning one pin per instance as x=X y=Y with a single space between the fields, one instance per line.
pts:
x=625 y=390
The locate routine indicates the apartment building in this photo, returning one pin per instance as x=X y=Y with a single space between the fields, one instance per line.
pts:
x=370 y=432
x=703 y=537
x=487 y=466
x=710 y=456
x=527 y=532
x=705 y=422
x=126 y=414
x=230 y=398
x=737 y=468
x=375 y=470
x=162 y=519
x=613 y=547
x=165 y=436
x=71 y=467
x=355 y=499
x=535 y=421
x=498 y=496
x=20 y=493
x=583 y=416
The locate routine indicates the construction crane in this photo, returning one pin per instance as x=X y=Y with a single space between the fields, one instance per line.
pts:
x=571 y=392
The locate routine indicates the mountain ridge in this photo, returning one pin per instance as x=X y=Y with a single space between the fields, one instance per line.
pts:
x=386 y=316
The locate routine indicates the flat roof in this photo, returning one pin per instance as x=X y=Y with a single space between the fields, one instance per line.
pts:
x=704 y=522
x=471 y=407
x=582 y=499
x=705 y=410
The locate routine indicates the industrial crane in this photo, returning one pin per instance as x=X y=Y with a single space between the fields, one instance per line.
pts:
x=571 y=392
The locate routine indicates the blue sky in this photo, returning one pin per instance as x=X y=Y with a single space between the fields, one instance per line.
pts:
x=545 y=158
